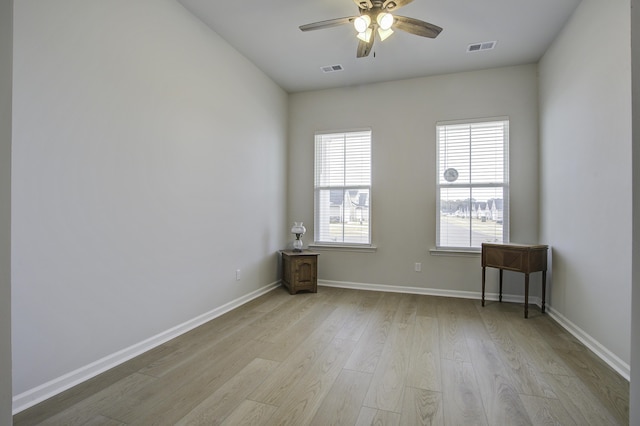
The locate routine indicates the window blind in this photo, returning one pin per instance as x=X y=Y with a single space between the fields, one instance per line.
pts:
x=472 y=183
x=343 y=187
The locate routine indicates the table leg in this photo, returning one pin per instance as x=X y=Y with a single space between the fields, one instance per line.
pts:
x=500 y=297
x=483 y=277
x=544 y=288
x=526 y=295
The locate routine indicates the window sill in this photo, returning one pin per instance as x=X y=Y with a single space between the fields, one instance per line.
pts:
x=455 y=252
x=344 y=247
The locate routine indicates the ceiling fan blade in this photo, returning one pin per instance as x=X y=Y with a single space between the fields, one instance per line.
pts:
x=364 y=48
x=364 y=4
x=416 y=26
x=391 y=5
x=327 y=24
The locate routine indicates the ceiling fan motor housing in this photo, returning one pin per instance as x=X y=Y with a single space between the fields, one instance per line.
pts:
x=388 y=5
x=375 y=12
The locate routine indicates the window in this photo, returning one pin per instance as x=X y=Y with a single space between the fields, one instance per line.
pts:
x=472 y=183
x=343 y=188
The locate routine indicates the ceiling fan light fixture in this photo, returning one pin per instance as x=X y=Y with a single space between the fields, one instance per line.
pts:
x=365 y=35
x=361 y=23
x=385 y=20
x=378 y=16
x=384 y=34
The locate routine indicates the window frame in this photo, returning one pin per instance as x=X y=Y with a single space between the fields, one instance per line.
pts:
x=505 y=184
x=344 y=245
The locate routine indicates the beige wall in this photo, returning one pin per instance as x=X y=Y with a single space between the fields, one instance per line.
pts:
x=402 y=116
x=634 y=403
x=6 y=36
x=586 y=182
x=100 y=179
x=143 y=145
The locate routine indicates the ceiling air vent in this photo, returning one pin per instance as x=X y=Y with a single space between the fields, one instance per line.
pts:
x=477 y=47
x=331 y=68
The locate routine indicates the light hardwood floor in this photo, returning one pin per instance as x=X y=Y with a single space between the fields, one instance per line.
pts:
x=347 y=357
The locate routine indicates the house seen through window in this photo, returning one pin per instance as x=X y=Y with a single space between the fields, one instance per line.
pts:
x=343 y=188
x=472 y=183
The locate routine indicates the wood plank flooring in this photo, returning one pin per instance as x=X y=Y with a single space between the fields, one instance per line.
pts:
x=348 y=357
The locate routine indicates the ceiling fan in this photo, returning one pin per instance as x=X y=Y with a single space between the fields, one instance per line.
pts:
x=375 y=16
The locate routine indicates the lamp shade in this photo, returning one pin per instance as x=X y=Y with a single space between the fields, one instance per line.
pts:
x=385 y=20
x=361 y=23
x=365 y=35
x=298 y=228
x=384 y=33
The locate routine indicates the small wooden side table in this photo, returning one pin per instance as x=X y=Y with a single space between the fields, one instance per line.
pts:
x=523 y=258
x=300 y=270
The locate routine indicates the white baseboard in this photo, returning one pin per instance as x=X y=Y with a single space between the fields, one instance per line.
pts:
x=596 y=347
x=511 y=298
x=47 y=390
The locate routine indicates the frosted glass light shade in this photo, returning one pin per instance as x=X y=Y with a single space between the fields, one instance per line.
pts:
x=361 y=23
x=366 y=35
x=385 y=20
x=384 y=33
x=298 y=228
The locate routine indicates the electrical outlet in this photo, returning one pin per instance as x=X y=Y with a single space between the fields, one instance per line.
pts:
x=418 y=267
x=237 y=274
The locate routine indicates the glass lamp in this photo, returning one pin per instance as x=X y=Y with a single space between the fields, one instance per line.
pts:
x=385 y=20
x=366 y=35
x=384 y=34
x=298 y=229
x=361 y=23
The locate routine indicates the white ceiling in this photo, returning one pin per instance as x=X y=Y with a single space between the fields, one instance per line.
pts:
x=266 y=32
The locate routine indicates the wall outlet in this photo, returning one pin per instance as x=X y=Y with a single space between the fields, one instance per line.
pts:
x=418 y=267
x=237 y=274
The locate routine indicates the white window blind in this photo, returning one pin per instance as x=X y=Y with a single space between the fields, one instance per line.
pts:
x=472 y=184
x=343 y=187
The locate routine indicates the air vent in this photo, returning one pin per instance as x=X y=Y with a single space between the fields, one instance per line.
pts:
x=477 y=47
x=331 y=68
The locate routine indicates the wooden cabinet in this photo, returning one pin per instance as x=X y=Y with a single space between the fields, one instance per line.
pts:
x=519 y=258
x=300 y=271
